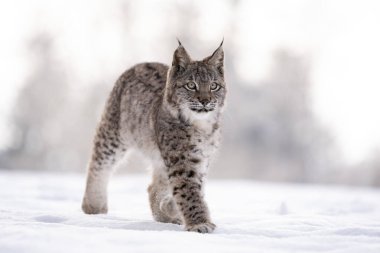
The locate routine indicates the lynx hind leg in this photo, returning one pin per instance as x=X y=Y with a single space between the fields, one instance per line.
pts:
x=107 y=151
x=95 y=197
x=164 y=208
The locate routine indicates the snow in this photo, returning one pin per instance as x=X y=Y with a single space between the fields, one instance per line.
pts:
x=40 y=212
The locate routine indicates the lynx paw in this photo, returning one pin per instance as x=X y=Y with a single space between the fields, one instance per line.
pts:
x=92 y=208
x=203 y=228
x=177 y=221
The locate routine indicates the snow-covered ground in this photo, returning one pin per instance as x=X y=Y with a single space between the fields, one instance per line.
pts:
x=41 y=213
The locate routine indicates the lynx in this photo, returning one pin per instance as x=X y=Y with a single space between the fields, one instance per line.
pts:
x=172 y=115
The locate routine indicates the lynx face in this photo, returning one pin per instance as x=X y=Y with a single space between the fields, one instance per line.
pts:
x=197 y=87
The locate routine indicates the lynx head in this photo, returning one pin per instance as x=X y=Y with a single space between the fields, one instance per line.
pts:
x=196 y=88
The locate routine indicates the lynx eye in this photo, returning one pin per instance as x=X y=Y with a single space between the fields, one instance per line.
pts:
x=214 y=86
x=191 y=86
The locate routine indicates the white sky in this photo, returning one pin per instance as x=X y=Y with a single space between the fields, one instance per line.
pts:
x=341 y=37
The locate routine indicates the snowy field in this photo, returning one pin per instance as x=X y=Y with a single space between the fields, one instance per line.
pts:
x=41 y=213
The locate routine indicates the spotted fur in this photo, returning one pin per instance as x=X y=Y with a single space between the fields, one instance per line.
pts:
x=172 y=115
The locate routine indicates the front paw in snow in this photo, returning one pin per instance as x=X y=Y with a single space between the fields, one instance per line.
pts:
x=89 y=207
x=206 y=227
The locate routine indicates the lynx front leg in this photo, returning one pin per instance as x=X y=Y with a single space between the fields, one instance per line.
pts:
x=186 y=183
x=106 y=152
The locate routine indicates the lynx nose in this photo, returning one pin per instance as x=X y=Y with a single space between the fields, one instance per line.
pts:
x=204 y=102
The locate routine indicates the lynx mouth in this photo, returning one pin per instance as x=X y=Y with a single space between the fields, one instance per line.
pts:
x=201 y=110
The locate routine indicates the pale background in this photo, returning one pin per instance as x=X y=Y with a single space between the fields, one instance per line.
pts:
x=303 y=79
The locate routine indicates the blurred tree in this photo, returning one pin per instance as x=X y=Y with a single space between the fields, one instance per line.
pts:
x=270 y=130
x=38 y=106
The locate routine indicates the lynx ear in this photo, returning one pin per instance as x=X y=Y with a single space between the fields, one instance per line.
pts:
x=180 y=58
x=217 y=58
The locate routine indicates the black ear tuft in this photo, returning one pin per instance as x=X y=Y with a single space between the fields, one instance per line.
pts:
x=179 y=42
